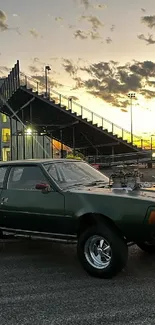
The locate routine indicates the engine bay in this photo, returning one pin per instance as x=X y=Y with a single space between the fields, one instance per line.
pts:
x=130 y=177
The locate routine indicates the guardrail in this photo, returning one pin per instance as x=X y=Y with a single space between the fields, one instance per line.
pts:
x=128 y=158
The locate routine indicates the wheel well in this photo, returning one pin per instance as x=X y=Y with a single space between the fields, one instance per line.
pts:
x=91 y=219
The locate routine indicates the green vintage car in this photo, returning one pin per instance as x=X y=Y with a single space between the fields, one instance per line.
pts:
x=70 y=200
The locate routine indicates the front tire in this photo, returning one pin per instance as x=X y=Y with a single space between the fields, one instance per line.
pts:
x=101 y=251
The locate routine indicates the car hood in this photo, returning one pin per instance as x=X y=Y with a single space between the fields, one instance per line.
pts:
x=143 y=193
x=125 y=206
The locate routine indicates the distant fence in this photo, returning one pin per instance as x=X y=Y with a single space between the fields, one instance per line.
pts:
x=127 y=158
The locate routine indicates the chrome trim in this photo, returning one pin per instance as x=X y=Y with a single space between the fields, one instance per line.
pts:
x=36 y=213
x=38 y=233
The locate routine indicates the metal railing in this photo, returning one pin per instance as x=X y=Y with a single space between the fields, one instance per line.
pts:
x=17 y=79
x=126 y=158
x=80 y=110
x=11 y=83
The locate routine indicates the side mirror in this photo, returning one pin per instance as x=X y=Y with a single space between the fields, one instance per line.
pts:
x=43 y=187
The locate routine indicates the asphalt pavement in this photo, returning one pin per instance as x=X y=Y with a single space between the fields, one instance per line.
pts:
x=42 y=283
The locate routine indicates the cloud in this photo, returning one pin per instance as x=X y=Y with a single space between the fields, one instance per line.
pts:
x=70 y=67
x=148 y=94
x=33 y=69
x=94 y=35
x=39 y=66
x=3 y=23
x=41 y=80
x=54 y=59
x=80 y=34
x=151 y=83
x=145 y=69
x=86 y=4
x=83 y=35
x=4 y=71
x=71 y=26
x=112 y=99
x=37 y=62
x=78 y=83
x=149 y=21
x=112 y=28
x=59 y=19
x=3 y=18
x=108 y=40
x=100 y=6
x=94 y=21
x=17 y=30
x=112 y=82
x=149 y=40
x=123 y=110
x=34 y=33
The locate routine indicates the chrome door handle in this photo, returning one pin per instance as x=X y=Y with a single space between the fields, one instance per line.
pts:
x=4 y=200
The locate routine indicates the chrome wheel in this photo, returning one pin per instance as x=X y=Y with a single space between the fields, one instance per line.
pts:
x=98 y=252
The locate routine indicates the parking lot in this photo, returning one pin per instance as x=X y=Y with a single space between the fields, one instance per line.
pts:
x=42 y=283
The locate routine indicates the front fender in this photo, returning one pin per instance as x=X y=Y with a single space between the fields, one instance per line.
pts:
x=127 y=212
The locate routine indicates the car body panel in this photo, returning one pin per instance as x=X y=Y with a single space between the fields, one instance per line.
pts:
x=32 y=210
x=127 y=210
x=60 y=211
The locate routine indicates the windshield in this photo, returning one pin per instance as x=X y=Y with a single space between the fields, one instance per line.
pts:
x=67 y=173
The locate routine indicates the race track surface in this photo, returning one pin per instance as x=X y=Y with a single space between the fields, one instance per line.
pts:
x=42 y=283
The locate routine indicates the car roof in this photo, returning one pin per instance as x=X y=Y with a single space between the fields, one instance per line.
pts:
x=36 y=161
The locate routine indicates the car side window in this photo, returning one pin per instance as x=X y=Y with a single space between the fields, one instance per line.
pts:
x=51 y=169
x=25 y=177
x=2 y=175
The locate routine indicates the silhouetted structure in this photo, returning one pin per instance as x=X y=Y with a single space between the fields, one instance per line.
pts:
x=61 y=118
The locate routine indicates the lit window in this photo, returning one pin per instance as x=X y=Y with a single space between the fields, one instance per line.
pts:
x=6 y=154
x=4 y=118
x=5 y=135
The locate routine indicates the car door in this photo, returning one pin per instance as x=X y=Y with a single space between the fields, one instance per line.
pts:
x=25 y=208
x=3 y=174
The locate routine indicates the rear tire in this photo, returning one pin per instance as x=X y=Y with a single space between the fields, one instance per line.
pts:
x=101 y=251
x=147 y=247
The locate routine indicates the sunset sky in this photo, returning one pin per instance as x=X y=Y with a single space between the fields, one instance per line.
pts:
x=98 y=52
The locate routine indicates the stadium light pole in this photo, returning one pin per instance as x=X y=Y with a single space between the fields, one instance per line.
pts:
x=131 y=96
x=47 y=69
